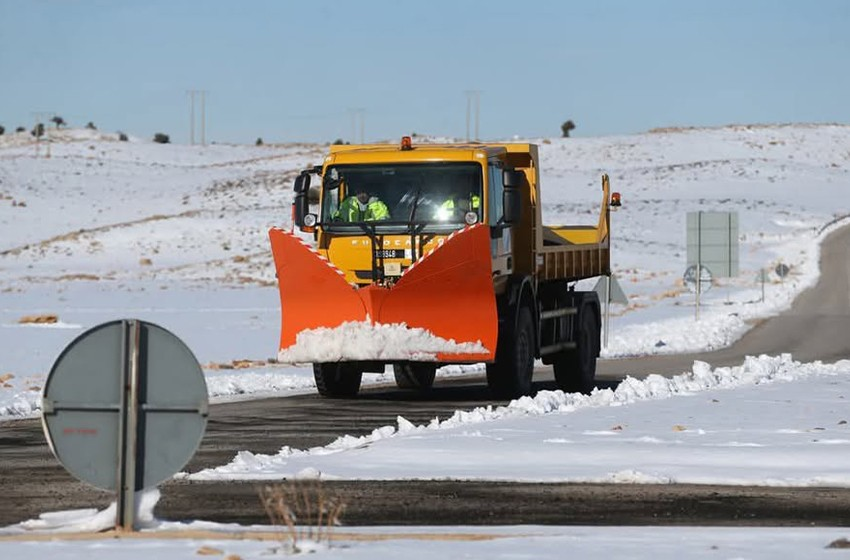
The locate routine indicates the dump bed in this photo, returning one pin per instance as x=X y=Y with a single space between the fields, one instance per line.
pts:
x=559 y=252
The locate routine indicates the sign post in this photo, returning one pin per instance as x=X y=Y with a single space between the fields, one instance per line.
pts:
x=609 y=291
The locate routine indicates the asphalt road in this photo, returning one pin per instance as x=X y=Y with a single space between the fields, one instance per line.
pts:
x=816 y=327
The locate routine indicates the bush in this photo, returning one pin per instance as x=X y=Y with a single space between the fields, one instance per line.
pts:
x=259 y=142
x=338 y=142
x=2 y=130
x=58 y=121
x=38 y=131
x=20 y=129
x=302 y=511
x=122 y=137
x=161 y=138
x=90 y=125
x=566 y=128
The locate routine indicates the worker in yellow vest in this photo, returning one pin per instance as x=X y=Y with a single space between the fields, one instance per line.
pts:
x=456 y=207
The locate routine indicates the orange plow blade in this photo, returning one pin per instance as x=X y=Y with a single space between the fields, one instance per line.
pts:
x=443 y=308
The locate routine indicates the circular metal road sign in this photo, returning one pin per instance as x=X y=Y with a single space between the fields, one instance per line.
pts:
x=125 y=392
x=690 y=278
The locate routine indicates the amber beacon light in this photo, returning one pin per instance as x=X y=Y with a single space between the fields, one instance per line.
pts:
x=615 y=199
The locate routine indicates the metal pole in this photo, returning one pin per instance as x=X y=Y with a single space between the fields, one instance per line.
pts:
x=607 y=308
x=762 y=284
x=477 y=112
x=468 y=112
x=191 y=117
x=699 y=260
x=203 y=118
x=47 y=139
x=128 y=427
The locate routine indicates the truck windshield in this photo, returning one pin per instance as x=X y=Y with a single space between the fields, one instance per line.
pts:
x=434 y=195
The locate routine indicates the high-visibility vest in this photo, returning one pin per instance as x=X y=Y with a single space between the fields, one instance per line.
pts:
x=447 y=207
x=376 y=210
x=349 y=210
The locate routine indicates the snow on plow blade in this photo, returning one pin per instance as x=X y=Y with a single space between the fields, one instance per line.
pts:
x=443 y=308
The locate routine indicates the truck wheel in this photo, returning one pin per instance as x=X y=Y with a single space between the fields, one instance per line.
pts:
x=414 y=375
x=510 y=376
x=575 y=370
x=337 y=379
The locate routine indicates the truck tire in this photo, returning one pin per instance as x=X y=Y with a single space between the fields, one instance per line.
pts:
x=337 y=379
x=414 y=375
x=575 y=370
x=510 y=375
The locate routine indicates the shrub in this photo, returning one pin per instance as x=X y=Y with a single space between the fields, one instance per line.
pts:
x=38 y=130
x=566 y=128
x=20 y=129
x=161 y=138
x=90 y=125
x=58 y=121
x=2 y=130
x=302 y=511
x=259 y=142
x=122 y=137
x=338 y=142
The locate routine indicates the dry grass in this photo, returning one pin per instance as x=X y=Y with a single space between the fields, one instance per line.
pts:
x=44 y=319
x=302 y=511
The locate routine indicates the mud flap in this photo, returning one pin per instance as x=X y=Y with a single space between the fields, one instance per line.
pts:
x=448 y=292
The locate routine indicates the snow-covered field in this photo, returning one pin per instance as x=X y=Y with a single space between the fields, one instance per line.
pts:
x=177 y=235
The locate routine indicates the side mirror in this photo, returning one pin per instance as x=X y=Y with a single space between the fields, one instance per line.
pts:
x=302 y=182
x=512 y=179
x=300 y=204
x=512 y=205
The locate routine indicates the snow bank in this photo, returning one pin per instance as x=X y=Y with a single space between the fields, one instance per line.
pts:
x=754 y=371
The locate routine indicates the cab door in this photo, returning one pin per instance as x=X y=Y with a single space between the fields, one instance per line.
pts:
x=500 y=236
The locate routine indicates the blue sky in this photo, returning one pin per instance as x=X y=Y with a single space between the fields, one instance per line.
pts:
x=289 y=71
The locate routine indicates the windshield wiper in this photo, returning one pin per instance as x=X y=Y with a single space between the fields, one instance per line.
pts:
x=415 y=205
x=414 y=228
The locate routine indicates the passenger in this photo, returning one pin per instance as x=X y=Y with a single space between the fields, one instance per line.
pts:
x=376 y=210
x=455 y=207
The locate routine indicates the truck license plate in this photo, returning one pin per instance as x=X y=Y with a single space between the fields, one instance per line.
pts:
x=390 y=253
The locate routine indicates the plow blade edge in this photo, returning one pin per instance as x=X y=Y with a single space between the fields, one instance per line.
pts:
x=448 y=293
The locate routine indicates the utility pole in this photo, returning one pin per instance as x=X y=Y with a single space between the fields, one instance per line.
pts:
x=42 y=117
x=203 y=100
x=472 y=95
x=191 y=93
x=356 y=113
x=203 y=118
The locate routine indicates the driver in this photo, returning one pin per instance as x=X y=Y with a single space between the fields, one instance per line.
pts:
x=362 y=207
x=353 y=207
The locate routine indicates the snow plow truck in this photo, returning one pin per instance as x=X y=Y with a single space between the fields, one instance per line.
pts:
x=419 y=256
